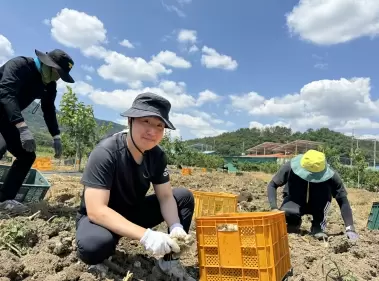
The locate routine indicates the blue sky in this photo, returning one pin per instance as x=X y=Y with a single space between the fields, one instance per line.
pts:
x=302 y=64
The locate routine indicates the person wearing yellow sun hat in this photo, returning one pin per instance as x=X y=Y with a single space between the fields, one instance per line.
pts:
x=310 y=184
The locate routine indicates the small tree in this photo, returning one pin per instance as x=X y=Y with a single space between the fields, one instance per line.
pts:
x=81 y=132
x=360 y=165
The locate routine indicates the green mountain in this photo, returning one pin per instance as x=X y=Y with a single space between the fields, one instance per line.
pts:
x=38 y=127
x=237 y=142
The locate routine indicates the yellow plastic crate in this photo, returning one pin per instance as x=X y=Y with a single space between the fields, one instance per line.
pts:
x=213 y=203
x=186 y=171
x=243 y=247
x=42 y=164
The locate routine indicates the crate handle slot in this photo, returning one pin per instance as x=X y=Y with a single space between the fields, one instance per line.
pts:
x=227 y=227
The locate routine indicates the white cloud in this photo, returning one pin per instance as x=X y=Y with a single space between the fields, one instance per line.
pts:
x=207 y=96
x=193 y=49
x=208 y=117
x=126 y=44
x=182 y=2
x=172 y=8
x=358 y=124
x=187 y=36
x=257 y=125
x=212 y=59
x=246 y=101
x=321 y=65
x=88 y=68
x=175 y=133
x=338 y=104
x=88 y=78
x=171 y=59
x=77 y=29
x=330 y=22
x=127 y=70
x=340 y=99
x=79 y=87
x=98 y=52
x=122 y=99
x=46 y=22
x=6 y=49
x=196 y=125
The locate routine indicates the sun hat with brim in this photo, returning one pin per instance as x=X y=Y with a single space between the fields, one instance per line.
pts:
x=312 y=166
x=150 y=104
x=59 y=60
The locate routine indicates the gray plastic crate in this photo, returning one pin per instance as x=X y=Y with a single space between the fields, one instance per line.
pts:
x=34 y=187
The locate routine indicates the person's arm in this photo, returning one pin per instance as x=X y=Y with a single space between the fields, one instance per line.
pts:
x=98 y=212
x=97 y=179
x=278 y=180
x=169 y=208
x=339 y=192
x=163 y=190
x=14 y=75
x=49 y=110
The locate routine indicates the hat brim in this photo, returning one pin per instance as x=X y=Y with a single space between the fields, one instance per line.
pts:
x=307 y=175
x=45 y=59
x=137 y=113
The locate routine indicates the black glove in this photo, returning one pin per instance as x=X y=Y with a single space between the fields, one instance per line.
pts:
x=57 y=145
x=27 y=139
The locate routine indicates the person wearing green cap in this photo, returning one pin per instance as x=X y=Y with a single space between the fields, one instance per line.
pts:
x=310 y=184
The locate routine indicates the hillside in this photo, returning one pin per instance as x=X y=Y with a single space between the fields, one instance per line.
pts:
x=38 y=127
x=234 y=143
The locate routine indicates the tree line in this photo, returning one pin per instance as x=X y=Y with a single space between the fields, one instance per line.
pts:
x=237 y=142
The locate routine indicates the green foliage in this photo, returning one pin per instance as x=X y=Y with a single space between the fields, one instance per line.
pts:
x=269 y=168
x=81 y=132
x=234 y=143
x=178 y=153
x=18 y=237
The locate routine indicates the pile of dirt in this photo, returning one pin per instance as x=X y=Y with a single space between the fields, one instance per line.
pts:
x=42 y=246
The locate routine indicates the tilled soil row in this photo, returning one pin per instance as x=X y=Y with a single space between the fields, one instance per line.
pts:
x=42 y=247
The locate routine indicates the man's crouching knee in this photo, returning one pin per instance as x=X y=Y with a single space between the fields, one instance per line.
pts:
x=94 y=243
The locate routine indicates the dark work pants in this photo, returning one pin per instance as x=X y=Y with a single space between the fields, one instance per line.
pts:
x=10 y=140
x=294 y=212
x=3 y=146
x=96 y=243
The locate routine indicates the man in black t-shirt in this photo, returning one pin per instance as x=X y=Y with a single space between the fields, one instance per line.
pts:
x=116 y=179
x=310 y=183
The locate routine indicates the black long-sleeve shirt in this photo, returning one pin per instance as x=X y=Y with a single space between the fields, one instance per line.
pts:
x=319 y=193
x=20 y=85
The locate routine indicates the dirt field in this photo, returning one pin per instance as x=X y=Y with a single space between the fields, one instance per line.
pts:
x=42 y=247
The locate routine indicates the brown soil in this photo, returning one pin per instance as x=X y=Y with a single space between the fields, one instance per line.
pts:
x=42 y=247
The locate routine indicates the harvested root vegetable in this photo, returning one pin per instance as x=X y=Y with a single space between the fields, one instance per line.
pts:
x=228 y=227
x=184 y=243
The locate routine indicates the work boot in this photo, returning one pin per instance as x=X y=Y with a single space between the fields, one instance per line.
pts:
x=171 y=268
x=318 y=233
x=13 y=207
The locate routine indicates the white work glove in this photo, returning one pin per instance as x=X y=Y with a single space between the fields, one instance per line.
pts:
x=177 y=231
x=159 y=243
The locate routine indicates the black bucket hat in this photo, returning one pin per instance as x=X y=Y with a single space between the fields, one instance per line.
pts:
x=59 y=60
x=149 y=104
